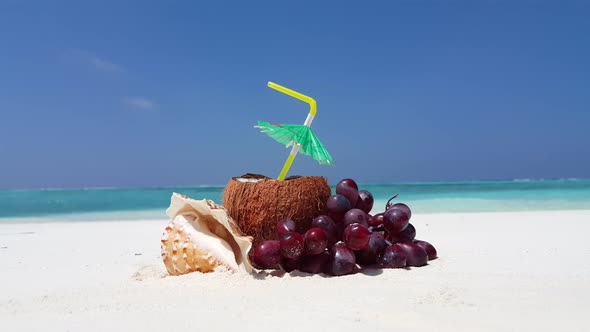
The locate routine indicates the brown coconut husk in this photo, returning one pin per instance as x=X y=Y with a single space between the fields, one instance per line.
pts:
x=257 y=202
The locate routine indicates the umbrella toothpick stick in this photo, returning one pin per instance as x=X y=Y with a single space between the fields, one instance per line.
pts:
x=308 y=120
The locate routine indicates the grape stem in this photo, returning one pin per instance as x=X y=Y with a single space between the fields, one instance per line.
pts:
x=392 y=198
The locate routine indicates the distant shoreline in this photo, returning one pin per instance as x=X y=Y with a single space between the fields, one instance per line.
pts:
x=332 y=184
x=424 y=197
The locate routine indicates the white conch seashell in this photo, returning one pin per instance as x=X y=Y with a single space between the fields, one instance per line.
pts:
x=201 y=236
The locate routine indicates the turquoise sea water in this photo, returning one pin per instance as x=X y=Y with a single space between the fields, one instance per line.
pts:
x=117 y=204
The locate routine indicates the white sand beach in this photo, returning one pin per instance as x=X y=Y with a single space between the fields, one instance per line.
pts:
x=525 y=271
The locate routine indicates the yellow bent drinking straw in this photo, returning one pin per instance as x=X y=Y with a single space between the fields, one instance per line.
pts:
x=310 y=116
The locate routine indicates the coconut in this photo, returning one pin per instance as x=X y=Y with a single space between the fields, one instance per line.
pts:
x=257 y=202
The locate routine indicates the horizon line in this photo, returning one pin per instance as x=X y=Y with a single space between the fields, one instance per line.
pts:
x=516 y=180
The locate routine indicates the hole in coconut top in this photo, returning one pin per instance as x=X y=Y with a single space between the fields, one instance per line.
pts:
x=247 y=180
x=251 y=177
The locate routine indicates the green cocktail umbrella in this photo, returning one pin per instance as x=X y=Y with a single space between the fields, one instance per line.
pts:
x=301 y=137
x=292 y=134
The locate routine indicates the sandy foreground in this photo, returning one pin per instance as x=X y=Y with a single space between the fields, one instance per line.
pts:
x=526 y=271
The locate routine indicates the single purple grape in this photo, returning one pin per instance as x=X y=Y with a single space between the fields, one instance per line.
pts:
x=347 y=183
x=285 y=226
x=392 y=257
x=356 y=236
x=403 y=207
x=429 y=248
x=357 y=216
x=292 y=245
x=289 y=265
x=329 y=226
x=376 y=245
x=415 y=255
x=348 y=189
x=410 y=231
x=342 y=260
x=395 y=220
x=319 y=263
x=376 y=220
x=365 y=201
x=267 y=255
x=407 y=235
x=315 y=241
x=337 y=206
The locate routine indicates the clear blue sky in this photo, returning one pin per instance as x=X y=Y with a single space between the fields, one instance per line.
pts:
x=146 y=93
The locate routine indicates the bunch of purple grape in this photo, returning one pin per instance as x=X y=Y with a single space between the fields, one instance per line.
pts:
x=347 y=239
